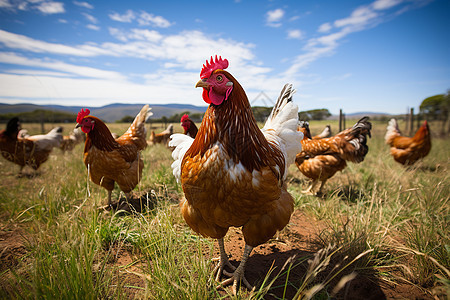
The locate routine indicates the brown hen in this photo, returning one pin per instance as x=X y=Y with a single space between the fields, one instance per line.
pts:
x=233 y=174
x=110 y=160
x=320 y=159
x=408 y=150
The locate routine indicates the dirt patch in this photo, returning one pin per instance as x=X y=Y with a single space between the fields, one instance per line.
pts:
x=298 y=243
x=12 y=246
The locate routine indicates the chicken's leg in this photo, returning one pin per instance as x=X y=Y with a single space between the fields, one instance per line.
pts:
x=319 y=192
x=109 y=197
x=311 y=187
x=223 y=261
x=238 y=274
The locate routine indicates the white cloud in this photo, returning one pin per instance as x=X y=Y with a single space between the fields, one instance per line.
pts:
x=143 y=18
x=385 y=4
x=360 y=16
x=146 y=35
x=326 y=27
x=149 y=19
x=90 y=18
x=51 y=7
x=128 y=17
x=13 y=58
x=273 y=17
x=46 y=7
x=118 y=34
x=17 y=41
x=295 y=34
x=93 y=27
x=36 y=72
x=5 y=4
x=83 y=4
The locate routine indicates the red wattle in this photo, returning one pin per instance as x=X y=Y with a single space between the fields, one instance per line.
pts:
x=205 y=96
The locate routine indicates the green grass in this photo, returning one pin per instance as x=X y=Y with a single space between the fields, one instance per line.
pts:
x=380 y=219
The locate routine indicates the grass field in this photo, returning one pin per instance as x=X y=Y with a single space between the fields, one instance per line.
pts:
x=377 y=220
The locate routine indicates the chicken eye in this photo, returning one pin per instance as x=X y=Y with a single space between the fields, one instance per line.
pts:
x=219 y=78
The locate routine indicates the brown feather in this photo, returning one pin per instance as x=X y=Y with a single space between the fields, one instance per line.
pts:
x=407 y=150
x=231 y=175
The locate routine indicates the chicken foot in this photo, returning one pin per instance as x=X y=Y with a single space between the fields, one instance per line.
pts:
x=311 y=187
x=223 y=261
x=238 y=274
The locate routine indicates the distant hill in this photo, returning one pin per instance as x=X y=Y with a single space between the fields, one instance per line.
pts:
x=359 y=115
x=108 y=113
x=116 y=111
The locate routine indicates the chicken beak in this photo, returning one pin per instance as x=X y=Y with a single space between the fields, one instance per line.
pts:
x=202 y=83
x=78 y=125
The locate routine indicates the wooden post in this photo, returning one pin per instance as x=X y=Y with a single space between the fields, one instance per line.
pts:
x=42 y=123
x=406 y=120
x=340 y=120
x=411 y=122
x=343 y=123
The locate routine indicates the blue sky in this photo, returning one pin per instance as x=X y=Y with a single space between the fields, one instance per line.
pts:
x=379 y=55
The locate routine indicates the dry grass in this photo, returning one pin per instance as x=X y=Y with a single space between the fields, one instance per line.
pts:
x=382 y=218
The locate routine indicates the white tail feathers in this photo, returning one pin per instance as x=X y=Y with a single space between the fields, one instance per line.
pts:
x=281 y=126
x=182 y=143
x=392 y=131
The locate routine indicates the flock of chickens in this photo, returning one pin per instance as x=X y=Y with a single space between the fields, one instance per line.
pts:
x=233 y=174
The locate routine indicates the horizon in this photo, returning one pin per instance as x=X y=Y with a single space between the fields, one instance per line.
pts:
x=195 y=106
x=380 y=55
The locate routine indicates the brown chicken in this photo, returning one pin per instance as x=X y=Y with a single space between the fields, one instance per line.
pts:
x=189 y=126
x=110 y=160
x=29 y=151
x=324 y=134
x=161 y=138
x=233 y=174
x=321 y=159
x=408 y=150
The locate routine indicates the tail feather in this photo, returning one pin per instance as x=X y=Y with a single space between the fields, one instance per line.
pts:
x=181 y=143
x=392 y=131
x=281 y=126
x=137 y=131
x=285 y=97
x=357 y=138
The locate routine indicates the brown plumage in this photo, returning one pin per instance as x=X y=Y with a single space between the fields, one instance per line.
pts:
x=233 y=173
x=162 y=137
x=189 y=126
x=408 y=150
x=320 y=159
x=29 y=151
x=112 y=160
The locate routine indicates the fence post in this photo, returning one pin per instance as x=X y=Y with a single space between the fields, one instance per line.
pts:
x=340 y=120
x=42 y=123
x=411 y=121
x=406 y=120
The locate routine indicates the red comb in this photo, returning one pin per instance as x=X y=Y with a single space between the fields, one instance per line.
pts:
x=184 y=117
x=211 y=66
x=83 y=113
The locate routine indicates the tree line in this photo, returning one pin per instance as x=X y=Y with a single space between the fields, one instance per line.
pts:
x=40 y=116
